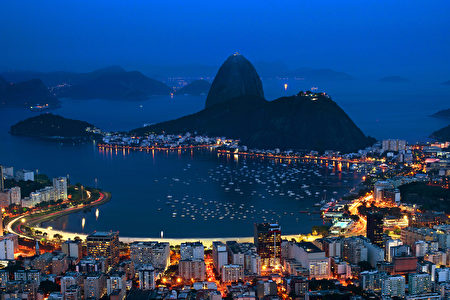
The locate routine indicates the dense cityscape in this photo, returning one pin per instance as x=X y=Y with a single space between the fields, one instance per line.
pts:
x=237 y=150
x=373 y=243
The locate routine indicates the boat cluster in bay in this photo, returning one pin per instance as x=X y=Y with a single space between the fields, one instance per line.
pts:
x=255 y=190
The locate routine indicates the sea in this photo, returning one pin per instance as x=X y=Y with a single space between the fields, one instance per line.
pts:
x=199 y=193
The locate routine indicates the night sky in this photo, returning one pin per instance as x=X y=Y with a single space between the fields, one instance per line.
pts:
x=363 y=38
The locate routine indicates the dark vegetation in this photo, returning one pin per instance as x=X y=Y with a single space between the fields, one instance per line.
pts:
x=295 y=122
x=52 y=126
x=26 y=187
x=236 y=108
x=428 y=197
x=442 y=114
x=442 y=135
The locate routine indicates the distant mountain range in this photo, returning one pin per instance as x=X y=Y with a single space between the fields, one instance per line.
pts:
x=113 y=83
x=236 y=108
x=107 y=83
x=195 y=88
x=394 y=79
x=52 y=126
x=318 y=74
x=25 y=93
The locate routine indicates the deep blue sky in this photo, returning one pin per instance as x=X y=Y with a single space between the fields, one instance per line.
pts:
x=360 y=37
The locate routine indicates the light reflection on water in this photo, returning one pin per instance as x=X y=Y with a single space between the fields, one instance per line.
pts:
x=140 y=182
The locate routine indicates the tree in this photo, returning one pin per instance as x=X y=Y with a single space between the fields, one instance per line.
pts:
x=48 y=286
x=365 y=266
x=320 y=229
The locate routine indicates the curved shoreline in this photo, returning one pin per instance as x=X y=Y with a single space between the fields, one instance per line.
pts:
x=105 y=197
x=41 y=216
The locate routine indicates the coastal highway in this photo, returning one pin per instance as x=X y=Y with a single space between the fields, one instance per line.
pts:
x=15 y=225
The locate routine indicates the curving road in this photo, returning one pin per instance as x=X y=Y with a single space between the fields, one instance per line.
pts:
x=14 y=226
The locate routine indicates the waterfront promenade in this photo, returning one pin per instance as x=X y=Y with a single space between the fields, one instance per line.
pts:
x=15 y=224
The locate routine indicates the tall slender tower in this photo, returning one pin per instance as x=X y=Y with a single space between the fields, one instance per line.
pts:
x=2 y=180
x=1 y=223
x=267 y=240
x=374 y=230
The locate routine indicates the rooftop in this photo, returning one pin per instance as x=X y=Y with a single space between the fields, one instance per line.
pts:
x=309 y=247
x=103 y=234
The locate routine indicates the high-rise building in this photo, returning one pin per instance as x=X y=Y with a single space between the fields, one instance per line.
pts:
x=15 y=195
x=266 y=288
x=72 y=292
x=419 y=283
x=297 y=285
x=116 y=281
x=25 y=175
x=72 y=249
x=192 y=269
x=375 y=228
x=393 y=145
x=94 y=286
x=389 y=245
x=354 y=250
x=393 y=286
x=7 y=246
x=104 y=244
x=399 y=251
x=153 y=253
x=232 y=273
x=220 y=255
x=60 y=186
x=70 y=279
x=1 y=223
x=267 y=239
x=4 y=277
x=371 y=280
x=192 y=251
x=421 y=248
x=311 y=258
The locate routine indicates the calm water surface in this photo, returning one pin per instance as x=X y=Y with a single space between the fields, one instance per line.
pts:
x=200 y=194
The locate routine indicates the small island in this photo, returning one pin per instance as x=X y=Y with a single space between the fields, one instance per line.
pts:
x=51 y=126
